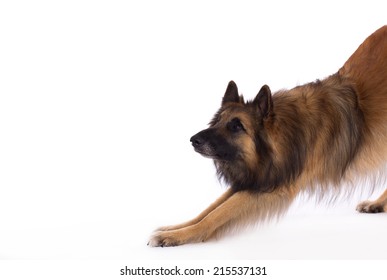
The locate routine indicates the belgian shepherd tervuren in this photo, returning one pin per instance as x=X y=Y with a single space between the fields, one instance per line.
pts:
x=320 y=138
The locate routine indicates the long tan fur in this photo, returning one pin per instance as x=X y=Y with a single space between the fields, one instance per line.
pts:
x=341 y=123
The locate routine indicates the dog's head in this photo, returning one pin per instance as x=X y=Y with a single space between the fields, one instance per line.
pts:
x=236 y=127
x=236 y=138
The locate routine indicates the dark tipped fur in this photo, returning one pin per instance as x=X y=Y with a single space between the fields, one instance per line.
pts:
x=300 y=119
x=319 y=137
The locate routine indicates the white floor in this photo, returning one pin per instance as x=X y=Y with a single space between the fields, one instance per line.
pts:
x=306 y=232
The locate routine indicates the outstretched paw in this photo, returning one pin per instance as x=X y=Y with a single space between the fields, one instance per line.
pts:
x=370 y=207
x=162 y=239
x=191 y=234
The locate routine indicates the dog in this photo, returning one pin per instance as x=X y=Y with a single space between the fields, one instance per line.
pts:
x=321 y=138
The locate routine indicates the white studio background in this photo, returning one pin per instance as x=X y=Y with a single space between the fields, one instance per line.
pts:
x=98 y=100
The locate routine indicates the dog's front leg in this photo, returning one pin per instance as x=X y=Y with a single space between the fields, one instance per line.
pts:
x=203 y=214
x=240 y=208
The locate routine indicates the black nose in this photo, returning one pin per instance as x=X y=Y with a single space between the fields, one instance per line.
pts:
x=196 y=141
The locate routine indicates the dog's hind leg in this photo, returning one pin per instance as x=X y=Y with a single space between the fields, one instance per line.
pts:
x=239 y=209
x=377 y=206
x=203 y=214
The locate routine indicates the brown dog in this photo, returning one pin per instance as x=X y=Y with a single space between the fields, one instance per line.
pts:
x=320 y=137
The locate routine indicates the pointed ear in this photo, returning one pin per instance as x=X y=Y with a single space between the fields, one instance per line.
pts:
x=264 y=101
x=231 y=94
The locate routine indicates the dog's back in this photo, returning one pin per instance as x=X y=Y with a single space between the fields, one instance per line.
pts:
x=367 y=68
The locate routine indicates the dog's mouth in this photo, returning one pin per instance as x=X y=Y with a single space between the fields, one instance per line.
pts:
x=206 y=152
x=210 y=153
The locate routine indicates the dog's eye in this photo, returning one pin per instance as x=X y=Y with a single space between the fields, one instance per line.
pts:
x=235 y=125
